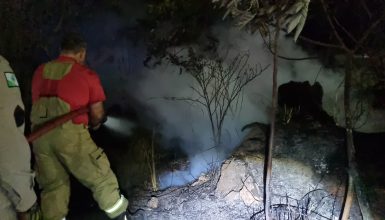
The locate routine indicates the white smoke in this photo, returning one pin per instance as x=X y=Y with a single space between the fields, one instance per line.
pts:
x=119 y=63
x=191 y=124
x=120 y=125
x=235 y=41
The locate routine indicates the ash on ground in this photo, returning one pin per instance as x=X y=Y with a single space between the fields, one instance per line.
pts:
x=308 y=181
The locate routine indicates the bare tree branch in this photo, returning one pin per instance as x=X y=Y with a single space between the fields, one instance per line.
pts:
x=365 y=6
x=218 y=85
x=285 y=57
x=350 y=35
x=335 y=32
x=320 y=43
x=368 y=32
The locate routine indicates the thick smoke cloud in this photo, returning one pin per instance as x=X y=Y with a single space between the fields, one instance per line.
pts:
x=192 y=125
x=119 y=63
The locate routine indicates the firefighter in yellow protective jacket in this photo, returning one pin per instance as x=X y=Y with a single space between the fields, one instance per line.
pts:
x=59 y=87
x=16 y=177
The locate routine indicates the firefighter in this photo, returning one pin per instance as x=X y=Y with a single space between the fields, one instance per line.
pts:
x=16 y=177
x=59 y=87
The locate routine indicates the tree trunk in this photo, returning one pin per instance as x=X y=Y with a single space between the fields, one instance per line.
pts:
x=269 y=151
x=349 y=192
x=354 y=184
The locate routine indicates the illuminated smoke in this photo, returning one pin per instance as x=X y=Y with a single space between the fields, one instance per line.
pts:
x=119 y=125
x=119 y=62
x=191 y=124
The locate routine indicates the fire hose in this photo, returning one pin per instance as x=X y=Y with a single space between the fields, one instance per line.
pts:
x=48 y=126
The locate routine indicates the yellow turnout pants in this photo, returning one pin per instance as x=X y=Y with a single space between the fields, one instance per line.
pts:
x=69 y=148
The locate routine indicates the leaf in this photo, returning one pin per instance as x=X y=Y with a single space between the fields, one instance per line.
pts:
x=254 y=3
x=271 y=9
x=245 y=19
x=294 y=9
x=299 y=29
x=261 y=11
x=294 y=22
x=301 y=24
x=232 y=4
x=283 y=7
x=263 y=29
x=228 y=11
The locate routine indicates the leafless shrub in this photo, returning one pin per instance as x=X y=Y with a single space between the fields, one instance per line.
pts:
x=218 y=86
x=310 y=206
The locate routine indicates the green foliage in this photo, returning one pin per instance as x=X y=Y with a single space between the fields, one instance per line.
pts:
x=260 y=14
x=297 y=17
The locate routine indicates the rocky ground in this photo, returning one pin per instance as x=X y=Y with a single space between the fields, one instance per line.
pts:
x=308 y=182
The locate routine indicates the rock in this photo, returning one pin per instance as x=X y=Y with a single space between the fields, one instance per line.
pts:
x=233 y=174
x=153 y=203
x=250 y=194
x=318 y=147
x=254 y=140
x=202 y=179
x=307 y=178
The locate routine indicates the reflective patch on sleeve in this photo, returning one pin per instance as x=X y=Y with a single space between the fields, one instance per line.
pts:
x=11 y=79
